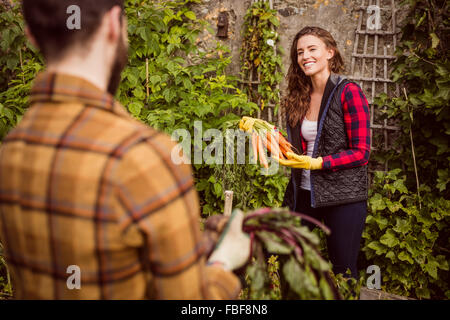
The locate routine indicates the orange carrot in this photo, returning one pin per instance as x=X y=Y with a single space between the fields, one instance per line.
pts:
x=262 y=156
x=274 y=147
x=286 y=146
x=267 y=142
x=284 y=150
x=283 y=139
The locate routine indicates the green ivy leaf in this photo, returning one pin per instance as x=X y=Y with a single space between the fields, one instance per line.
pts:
x=218 y=189
x=266 y=16
x=402 y=226
x=404 y=256
x=431 y=268
x=155 y=79
x=377 y=246
x=393 y=206
x=377 y=202
x=381 y=222
x=389 y=239
x=442 y=262
x=274 y=20
x=435 y=40
x=190 y=15
x=400 y=186
x=391 y=255
x=135 y=108
x=187 y=84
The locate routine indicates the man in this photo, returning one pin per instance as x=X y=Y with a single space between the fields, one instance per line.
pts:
x=87 y=191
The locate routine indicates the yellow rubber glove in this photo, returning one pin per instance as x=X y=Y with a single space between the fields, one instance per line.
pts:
x=302 y=162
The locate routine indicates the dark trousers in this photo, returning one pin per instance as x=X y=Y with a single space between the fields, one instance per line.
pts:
x=346 y=223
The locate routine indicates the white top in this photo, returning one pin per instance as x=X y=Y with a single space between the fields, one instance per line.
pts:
x=309 y=133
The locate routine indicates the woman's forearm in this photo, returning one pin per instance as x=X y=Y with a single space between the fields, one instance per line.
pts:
x=346 y=159
x=357 y=126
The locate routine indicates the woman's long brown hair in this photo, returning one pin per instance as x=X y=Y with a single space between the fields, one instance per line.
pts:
x=296 y=103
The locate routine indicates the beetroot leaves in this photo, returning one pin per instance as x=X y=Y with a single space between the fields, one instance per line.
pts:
x=304 y=273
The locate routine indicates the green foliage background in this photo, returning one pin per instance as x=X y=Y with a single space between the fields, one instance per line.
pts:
x=407 y=232
x=19 y=63
x=188 y=84
x=260 y=53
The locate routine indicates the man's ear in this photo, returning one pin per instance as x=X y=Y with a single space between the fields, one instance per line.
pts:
x=114 y=28
x=30 y=37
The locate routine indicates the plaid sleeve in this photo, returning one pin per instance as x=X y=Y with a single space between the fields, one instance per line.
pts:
x=357 y=123
x=161 y=214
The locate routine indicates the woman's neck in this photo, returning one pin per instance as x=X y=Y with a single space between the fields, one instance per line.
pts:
x=319 y=81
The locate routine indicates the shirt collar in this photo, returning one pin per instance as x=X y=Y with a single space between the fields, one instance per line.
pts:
x=58 y=87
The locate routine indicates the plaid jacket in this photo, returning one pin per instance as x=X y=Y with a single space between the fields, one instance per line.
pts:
x=82 y=183
x=357 y=125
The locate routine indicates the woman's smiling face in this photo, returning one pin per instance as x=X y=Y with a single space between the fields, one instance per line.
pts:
x=313 y=55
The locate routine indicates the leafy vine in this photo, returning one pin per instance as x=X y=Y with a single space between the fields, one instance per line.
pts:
x=406 y=231
x=259 y=54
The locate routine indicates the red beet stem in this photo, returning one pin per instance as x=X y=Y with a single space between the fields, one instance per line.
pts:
x=310 y=219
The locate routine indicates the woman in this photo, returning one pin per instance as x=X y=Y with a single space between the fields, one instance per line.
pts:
x=328 y=123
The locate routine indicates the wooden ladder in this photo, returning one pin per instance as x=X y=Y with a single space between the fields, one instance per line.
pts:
x=374 y=78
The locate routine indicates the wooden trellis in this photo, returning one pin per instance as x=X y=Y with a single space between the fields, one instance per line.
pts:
x=254 y=79
x=371 y=69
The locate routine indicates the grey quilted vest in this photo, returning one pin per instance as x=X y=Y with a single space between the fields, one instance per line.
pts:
x=328 y=187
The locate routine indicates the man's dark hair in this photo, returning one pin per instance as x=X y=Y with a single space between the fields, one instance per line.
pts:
x=47 y=21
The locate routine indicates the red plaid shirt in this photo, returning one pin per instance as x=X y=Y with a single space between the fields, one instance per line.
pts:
x=357 y=123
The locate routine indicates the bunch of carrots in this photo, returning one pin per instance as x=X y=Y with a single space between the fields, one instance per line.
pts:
x=266 y=135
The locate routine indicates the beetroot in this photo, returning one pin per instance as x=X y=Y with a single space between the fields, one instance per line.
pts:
x=305 y=274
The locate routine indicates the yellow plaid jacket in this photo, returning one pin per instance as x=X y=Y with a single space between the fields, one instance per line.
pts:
x=82 y=183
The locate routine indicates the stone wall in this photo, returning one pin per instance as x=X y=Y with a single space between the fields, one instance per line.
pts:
x=339 y=17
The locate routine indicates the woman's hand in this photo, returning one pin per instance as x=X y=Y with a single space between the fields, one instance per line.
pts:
x=301 y=162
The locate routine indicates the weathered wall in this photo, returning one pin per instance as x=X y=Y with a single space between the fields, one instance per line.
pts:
x=340 y=17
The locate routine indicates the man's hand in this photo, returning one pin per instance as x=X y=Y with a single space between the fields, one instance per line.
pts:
x=233 y=248
x=302 y=162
